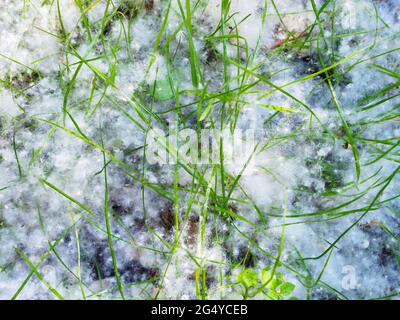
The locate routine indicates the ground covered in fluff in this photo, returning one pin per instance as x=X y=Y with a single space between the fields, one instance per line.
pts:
x=312 y=212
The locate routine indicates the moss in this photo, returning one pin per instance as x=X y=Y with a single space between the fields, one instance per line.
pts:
x=3 y=125
x=25 y=122
x=25 y=80
x=130 y=9
x=332 y=172
x=2 y=221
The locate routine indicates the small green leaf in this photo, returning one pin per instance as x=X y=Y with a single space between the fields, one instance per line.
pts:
x=248 y=278
x=287 y=288
x=273 y=295
x=265 y=276
x=163 y=90
x=206 y=111
x=276 y=108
